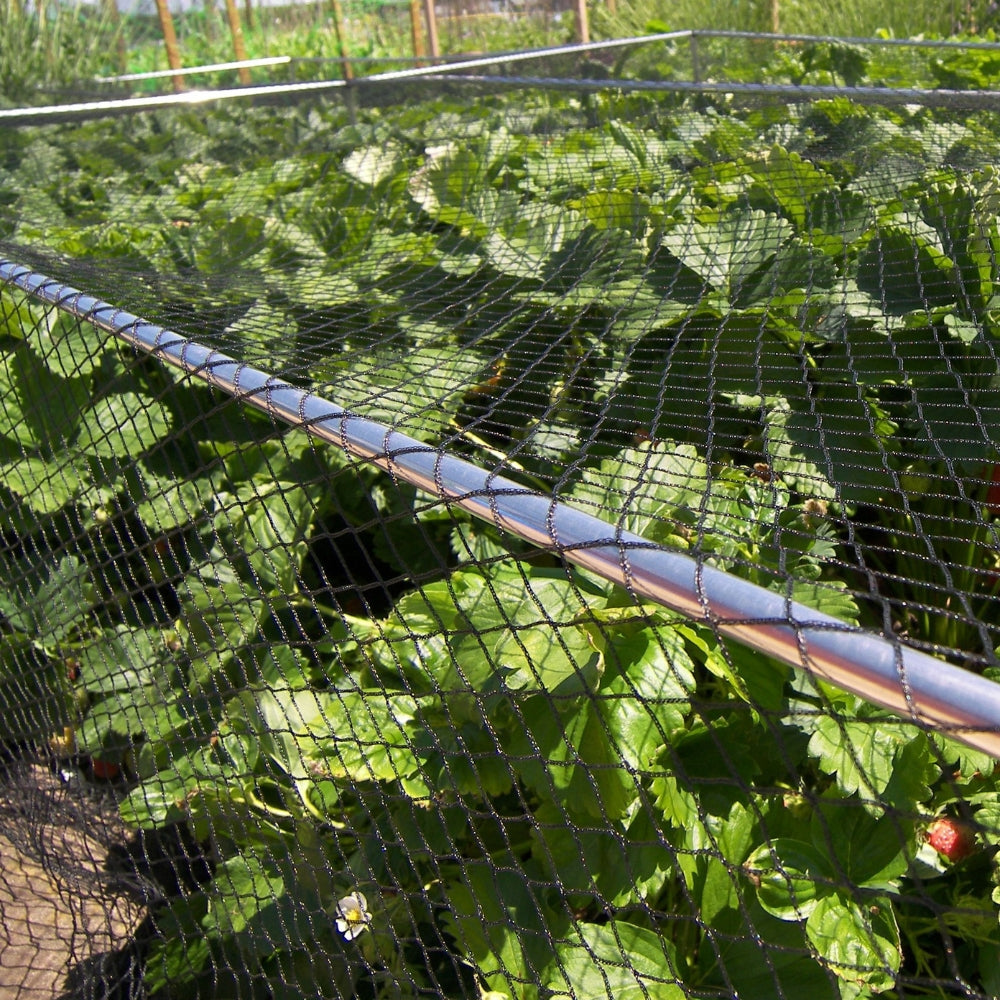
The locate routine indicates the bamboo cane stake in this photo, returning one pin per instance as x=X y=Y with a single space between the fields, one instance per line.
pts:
x=170 y=41
x=582 y=22
x=339 y=30
x=237 y=32
x=432 y=31
x=416 y=27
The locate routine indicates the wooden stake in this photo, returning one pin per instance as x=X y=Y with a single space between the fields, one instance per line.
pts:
x=340 y=32
x=170 y=41
x=237 y=32
x=417 y=29
x=582 y=22
x=432 y=28
x=775 y=18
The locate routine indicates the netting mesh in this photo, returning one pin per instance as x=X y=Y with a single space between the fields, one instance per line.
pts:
x=334 y=736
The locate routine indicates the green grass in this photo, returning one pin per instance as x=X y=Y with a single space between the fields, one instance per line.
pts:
x=53 y=50
x=844 y=18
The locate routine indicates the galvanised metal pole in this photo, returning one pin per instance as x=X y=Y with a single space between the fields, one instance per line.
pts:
x=928 y=691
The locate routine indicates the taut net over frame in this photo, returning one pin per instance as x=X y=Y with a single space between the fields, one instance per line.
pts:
x=526 y=529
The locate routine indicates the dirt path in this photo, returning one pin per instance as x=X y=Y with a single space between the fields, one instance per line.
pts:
x=55 y=908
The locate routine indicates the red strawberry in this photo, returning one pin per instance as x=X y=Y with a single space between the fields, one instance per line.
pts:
x=952 y=838
x=104 y=770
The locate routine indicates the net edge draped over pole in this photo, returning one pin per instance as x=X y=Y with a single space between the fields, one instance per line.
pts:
x=919 y=687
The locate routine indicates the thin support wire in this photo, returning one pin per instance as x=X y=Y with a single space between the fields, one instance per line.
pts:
x=87 y=109
x=930 y=692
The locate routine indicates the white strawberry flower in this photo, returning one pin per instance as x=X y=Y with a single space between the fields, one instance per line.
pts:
x=352 y=915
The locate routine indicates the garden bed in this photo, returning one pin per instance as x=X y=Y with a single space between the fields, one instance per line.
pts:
x=761 y=335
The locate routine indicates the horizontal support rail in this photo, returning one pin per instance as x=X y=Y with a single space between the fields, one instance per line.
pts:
x=924 y=689
x=159 y=74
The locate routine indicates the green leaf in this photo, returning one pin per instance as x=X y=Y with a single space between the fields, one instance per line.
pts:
x=544 y=746
x=619 y=960
x=873 y=760
x=530 y=237
x=859 y=941
x=906 y=267
x=830 y=597
x=70 y=348
x=702 y=363
x=373 y=165
x=704 y=765
x=615 y=208
x=757 y=678
x=752 y=954
x=791 y=876
x=748 y=256
x=791 y=182
x=47 y=602
x=244 y=889
x=360 y=736
x=518 y=624
x=122 y=659
x=862 y=850
x=646 y=484
x=678 y=805
x=467 y=759
x=619 y=862
x=836 y=444
x=270 y=527
x=35 y=696
x=219 y=618
x=720 y=891
x=168 y=502
x=269 y=331
x=647 y=698
x=155 y=804
x=46 y=485
x=180 y=953
x=39 y=409
x=557 y=658
x=502 y=927
x=123 y=426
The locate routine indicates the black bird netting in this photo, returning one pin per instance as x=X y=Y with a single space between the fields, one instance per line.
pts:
x=527 y=531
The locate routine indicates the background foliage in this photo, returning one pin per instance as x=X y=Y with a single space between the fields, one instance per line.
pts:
x=62 y=45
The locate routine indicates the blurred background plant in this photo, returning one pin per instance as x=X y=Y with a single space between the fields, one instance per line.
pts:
x=53 y=46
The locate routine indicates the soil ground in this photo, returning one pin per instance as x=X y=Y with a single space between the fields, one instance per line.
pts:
x=57 y=910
